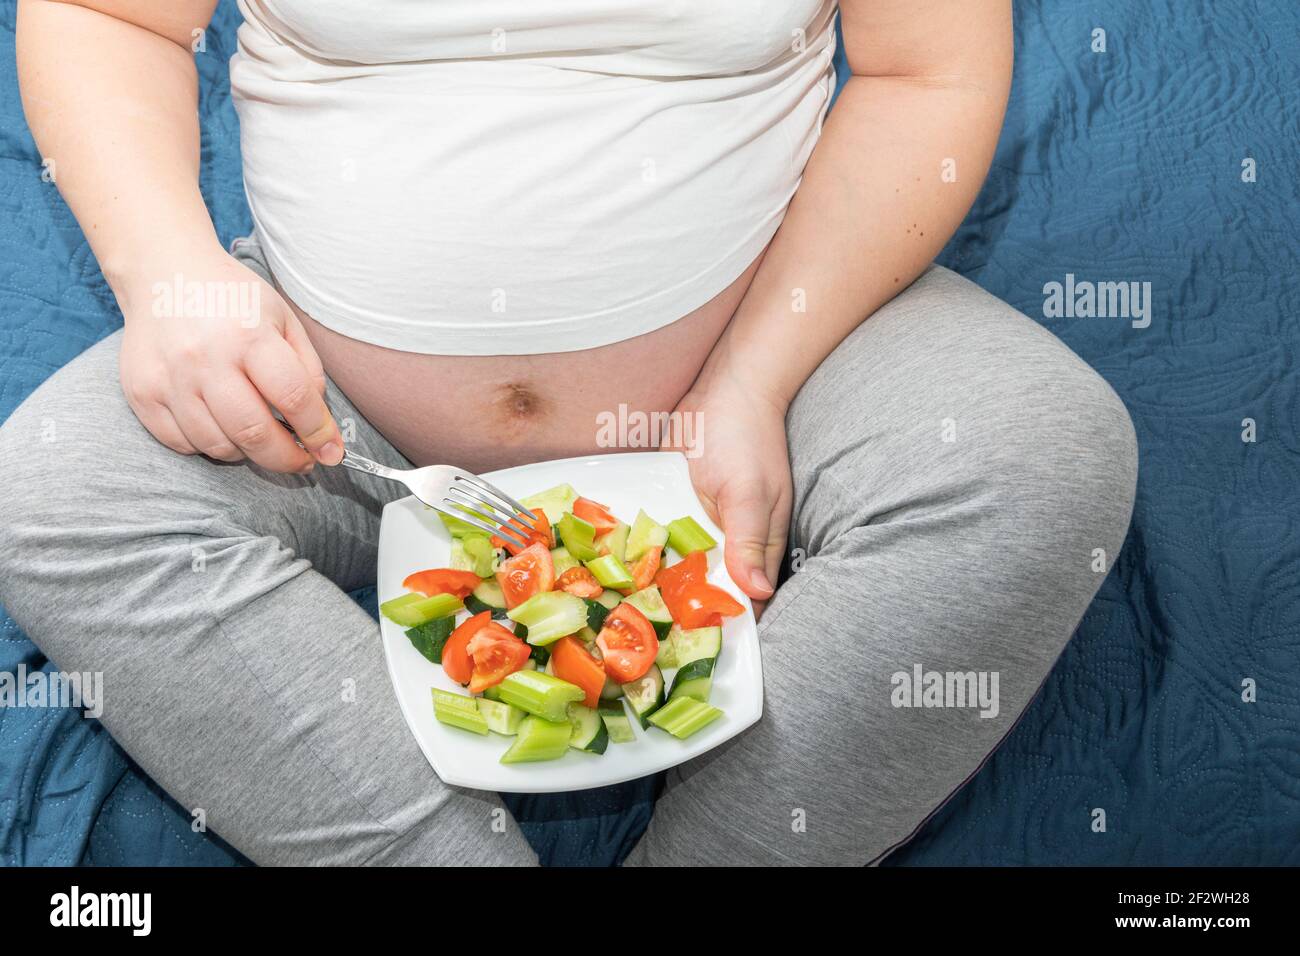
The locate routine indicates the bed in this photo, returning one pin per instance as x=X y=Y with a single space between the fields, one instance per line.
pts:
x=1160 y=150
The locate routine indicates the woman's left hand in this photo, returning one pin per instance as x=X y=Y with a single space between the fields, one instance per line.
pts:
x=740 y=467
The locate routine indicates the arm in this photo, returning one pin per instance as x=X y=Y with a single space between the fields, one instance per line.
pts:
x=929 y=83
x=111 y=95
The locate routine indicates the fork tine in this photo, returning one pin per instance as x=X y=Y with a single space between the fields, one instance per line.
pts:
x=485 y=486
x=469 y=489
x=486 y=509
x=470 y=519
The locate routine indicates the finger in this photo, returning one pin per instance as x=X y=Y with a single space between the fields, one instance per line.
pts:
x=247 y=421
x=746 y=514
x=278 y=374
x=207 y=437
x=297 y=338
x=159 y=422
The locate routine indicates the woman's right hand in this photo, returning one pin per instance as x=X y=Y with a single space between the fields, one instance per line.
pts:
x=203 y=379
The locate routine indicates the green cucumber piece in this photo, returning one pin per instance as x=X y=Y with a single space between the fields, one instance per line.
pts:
x=562 y=559
x=501 y=718
x=538 y=739
x=610 y=599
x=588 y=731
x=579 y=537
x=616 y=722
x=645 y=695
x=611 y=690
x=694 y=680
x=610 y=571
x=614 y=542
x=550 y=615
x=646 y=533
x=412 y=610
x=667 y=656
x=457 y=710
x=554 y=502
x=487 y=597
x=697 y=644
x=540 y=694
x=651 y=603
x=596 y=614
x=683 y=716
x=430 y=637
x=686 y=536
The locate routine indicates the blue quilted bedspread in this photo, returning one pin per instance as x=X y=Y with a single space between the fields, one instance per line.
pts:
x=1168 y=158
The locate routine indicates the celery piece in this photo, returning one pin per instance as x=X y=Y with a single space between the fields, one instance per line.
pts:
x=412 y=610
x=646 y=533
x=461 y=529
x=457 y=710
x=501 y=718
x=539 y=694
x=578 y=536
x=683 y=716
x=685 y=536
x=614 y=541
x=610 y=571
x=430 y=638
x=550 y=615
x=539 y=739
x=562 y=559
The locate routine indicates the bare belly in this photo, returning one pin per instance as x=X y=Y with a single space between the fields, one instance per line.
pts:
x=486 y=412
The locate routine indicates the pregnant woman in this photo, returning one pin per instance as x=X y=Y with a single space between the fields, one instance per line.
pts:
x=479 y=224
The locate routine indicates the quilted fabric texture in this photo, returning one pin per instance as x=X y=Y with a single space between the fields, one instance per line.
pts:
x=1117 y=166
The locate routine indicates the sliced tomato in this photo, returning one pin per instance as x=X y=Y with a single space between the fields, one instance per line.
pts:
x=692 y=569
x=579 y=581
x=529 y=572
x=442 y=581
x=570 y=661
x=455 y=658
x=643 y=572
x=539 y=532
x=691 y=599
x=627 y=644
x=494 y=653
x=595 y=514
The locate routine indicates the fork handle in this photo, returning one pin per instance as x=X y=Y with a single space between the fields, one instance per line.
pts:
x=360 y=463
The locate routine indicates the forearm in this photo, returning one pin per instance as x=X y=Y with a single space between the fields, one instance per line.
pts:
x=873 y=210
x=113 y=105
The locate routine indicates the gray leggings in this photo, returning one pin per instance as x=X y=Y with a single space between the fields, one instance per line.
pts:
x=961 y=482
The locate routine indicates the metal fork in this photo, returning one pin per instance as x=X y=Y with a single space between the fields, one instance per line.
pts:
x=455 y=493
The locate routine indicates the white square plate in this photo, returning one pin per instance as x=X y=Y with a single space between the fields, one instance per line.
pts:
x=412 y=538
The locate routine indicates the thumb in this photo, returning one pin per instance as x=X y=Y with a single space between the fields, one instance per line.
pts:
x=746 y=515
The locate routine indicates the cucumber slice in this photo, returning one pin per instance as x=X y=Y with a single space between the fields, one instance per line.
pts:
x=553 y=501
x=540 y=694
x=614 y=542
x=596 y=614
x=550 y=616
x=412 y=610
x=686 y=536
x=588 y=731
x=610 y=571
x=697 y=644
x=646 y=533
x=539 y=739
x=645 y=695
x=694 y=680
x=487 y=597
x=651 y=603
x=616 y=722
x=501 y=718
x=609 y=599
x=563 y=560
x=683 y=716
x=611 y=690
x=578 y=536
x=457 y=710
x=667 y=656
x=429 y=638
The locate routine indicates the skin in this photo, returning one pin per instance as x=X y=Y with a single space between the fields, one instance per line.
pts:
x=110 y=92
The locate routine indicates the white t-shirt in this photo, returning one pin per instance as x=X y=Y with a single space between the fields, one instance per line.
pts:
x=484 y=177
